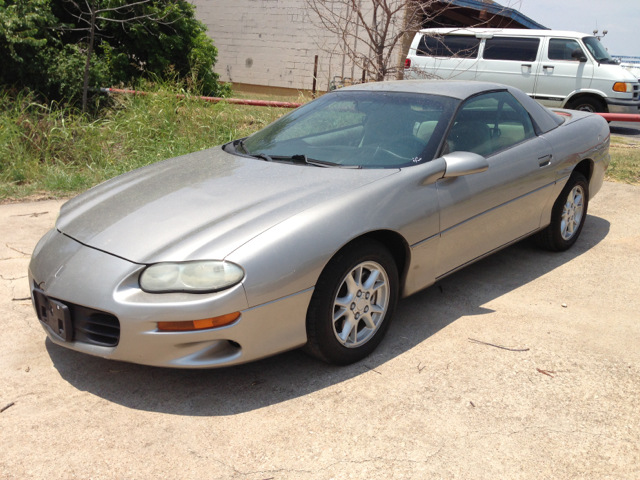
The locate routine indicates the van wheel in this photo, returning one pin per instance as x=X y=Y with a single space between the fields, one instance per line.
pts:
x=588 y=104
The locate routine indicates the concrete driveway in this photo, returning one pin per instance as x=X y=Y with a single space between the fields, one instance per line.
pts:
x=429 y=404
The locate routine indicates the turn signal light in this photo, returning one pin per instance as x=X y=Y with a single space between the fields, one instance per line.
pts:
x=623 y=87
x=199 y=324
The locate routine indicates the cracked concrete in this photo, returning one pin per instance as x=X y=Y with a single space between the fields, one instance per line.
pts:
x=428 y=404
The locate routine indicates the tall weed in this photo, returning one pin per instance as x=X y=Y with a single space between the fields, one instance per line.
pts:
x=58 y=150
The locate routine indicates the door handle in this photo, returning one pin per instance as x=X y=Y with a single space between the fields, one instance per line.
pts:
x=550 y=67
x=526 y=65
x=545 y=161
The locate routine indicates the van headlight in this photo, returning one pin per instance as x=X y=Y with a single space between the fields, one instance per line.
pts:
x=192 y=277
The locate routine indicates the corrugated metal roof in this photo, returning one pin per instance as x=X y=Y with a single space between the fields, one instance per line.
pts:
x=497 y=9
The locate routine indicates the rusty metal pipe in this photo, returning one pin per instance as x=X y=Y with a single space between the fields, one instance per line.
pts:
x=620 y=117
x=235 y=101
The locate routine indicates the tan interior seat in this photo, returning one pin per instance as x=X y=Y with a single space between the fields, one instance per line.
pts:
x=510 y=134
x=470 y=137
x=425 y=130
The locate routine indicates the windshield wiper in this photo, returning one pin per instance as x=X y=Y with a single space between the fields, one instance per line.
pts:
x=263 y=156
x=241 y=143
x=301 y=158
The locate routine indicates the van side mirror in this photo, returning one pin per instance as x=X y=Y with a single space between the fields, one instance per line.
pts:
x=464 y=163
x=579 y=55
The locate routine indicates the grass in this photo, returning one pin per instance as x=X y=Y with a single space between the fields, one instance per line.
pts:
x=55 y=151
x=625 y=161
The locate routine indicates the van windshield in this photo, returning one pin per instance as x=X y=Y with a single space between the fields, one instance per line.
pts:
x=598 y=51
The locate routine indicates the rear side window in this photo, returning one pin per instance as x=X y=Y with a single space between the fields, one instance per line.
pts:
x=519 y=49
x=561 y=49
x=461 y=46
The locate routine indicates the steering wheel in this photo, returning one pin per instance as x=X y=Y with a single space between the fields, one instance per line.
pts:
x=389 y=152
x=409 y=142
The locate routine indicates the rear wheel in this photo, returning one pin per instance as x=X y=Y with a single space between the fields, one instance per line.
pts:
x=352 y=304
x=567 y=216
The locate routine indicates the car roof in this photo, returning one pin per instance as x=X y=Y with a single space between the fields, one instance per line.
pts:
x=520 y=32
x=544 y=119
x=449 y=88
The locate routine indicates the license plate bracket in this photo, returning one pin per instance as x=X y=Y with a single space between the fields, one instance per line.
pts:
x=54 y=315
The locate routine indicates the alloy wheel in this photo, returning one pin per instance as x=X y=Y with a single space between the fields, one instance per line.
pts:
x=572 y=212
x=360 y=304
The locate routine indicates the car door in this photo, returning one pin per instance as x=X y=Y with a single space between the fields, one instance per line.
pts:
x=560 y=74
x=484 y=211
x=511 y=61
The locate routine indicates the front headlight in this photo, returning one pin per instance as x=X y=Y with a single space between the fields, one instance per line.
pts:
x=193 y=277
x=623 y=87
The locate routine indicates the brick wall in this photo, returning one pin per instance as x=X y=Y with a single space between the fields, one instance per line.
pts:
x=270 y=43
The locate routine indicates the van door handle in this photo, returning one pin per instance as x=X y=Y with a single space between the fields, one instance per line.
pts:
x=550 y=67
x=526 y=65
x=545 y=161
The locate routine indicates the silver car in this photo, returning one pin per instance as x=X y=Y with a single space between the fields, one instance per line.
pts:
x=308 y=232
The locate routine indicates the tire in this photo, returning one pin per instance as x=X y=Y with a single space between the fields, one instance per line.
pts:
x=568 y=216
x=588 y=104
x=339 y=304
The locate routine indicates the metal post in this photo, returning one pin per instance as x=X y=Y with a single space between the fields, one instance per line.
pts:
x=315 y=75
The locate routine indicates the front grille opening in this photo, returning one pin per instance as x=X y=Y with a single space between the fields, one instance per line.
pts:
x=90 y=325
x=95 y=327
x=234 y=344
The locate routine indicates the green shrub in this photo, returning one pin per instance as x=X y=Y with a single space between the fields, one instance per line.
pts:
x=41 y=48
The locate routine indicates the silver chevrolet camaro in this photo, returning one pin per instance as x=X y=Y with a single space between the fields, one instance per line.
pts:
x=306 y=233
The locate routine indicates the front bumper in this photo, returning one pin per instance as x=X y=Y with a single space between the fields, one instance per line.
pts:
x=616 y=105
x=71 y=272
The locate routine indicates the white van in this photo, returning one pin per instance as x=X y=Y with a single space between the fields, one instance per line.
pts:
x=558 y=69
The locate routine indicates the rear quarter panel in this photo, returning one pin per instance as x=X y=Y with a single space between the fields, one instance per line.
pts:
x=583 y=137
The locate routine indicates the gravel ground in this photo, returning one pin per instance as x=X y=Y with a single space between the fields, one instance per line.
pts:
x=428 y=404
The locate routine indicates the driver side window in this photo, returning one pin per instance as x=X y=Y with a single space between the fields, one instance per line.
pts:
x=489 y=123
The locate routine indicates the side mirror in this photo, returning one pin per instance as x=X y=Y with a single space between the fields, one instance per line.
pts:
x=464 y=163
x=579 y=55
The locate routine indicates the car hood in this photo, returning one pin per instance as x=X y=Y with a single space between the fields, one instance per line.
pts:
x=199 y=206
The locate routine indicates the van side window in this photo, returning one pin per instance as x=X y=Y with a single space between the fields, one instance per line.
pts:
x=561 y=49
x=520 y=49
x=489 y=123
x=463 y=46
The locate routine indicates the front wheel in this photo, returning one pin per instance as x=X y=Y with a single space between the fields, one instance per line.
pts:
x=567 y=216
x=352 y=304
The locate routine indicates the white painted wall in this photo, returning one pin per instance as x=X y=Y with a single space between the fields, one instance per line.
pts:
x=270 y=43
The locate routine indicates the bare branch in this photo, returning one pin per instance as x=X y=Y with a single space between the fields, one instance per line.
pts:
x=374 y=33
x=128 y=5
x=89 y=13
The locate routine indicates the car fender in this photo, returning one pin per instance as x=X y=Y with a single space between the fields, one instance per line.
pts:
x=290 y=256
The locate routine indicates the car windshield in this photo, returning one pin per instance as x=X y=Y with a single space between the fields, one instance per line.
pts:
x=358 y=129
x=597 y=50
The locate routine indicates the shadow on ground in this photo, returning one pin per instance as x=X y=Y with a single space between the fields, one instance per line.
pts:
x=627 y=129
x=233 y=390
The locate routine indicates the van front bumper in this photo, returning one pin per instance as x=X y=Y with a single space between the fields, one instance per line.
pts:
x=616 y=105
